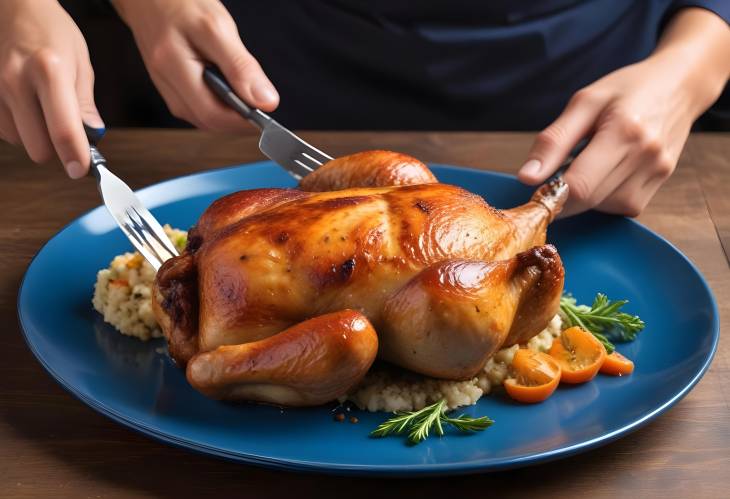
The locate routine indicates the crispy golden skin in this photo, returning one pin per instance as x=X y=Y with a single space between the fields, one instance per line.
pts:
x=368 y=169
x=417 y=259
x=451 y=317
x=309 y=363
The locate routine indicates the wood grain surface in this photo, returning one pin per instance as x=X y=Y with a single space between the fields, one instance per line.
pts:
x=52 y=445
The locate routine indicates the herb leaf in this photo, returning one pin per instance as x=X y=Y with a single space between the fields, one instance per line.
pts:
x=603 y=318
x=418 y=424
x=468 y=424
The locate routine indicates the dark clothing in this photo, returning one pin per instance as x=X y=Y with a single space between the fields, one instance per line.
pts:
x=456 y=64
x=439 y=65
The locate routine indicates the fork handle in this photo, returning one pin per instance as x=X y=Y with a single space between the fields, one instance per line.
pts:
x=218 y=84
x=94 y=135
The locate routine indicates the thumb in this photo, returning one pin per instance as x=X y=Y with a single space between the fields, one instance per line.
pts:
x=553 y=145
x=250 y=81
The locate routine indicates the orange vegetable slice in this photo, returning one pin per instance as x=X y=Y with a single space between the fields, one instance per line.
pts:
x=579 y=354
x=536 y=375
x=617 y=365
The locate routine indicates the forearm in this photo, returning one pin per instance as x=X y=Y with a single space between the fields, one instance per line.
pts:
x=696 y=43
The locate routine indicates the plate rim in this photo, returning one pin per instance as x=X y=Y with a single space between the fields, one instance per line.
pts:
x=336 y=468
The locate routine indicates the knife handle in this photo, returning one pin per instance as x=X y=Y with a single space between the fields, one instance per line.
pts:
x=218 y=84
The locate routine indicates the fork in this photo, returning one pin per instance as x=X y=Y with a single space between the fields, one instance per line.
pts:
x=141 y=228
x=278 y=143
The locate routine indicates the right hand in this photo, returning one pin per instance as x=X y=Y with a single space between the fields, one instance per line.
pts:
x=46 y=83
x=176 y=39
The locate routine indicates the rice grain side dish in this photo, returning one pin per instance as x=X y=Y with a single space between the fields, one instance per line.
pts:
x=123 y=291
x=392 y=389
x=122 y=294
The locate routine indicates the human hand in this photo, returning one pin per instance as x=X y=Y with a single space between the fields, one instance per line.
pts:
x=176 y=40
x=46 y=83
x=638 y=119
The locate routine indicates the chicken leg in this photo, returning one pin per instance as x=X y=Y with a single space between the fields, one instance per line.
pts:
x=450 y=318
x=308 y=364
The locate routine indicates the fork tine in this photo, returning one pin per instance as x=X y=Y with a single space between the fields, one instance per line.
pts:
x=145 y=238
x=142 y=243
x=316 y=155
x=162 y=239
x=306 y=167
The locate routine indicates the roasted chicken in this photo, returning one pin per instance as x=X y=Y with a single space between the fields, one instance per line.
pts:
x=286 y=296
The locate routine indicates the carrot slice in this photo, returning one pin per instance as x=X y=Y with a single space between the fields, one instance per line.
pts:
x=535 y=376
x=617 y=365
x=579 y=354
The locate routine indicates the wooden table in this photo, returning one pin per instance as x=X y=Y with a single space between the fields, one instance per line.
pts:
x=52 y=445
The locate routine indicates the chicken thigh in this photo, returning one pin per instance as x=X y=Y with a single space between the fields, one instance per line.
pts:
x=287 y=295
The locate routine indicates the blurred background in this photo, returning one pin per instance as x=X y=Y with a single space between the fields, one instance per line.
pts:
x=382 y=95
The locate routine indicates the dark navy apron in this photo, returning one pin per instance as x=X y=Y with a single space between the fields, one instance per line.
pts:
x=443 y=65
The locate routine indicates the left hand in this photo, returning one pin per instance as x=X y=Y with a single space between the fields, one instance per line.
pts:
x=638 y=119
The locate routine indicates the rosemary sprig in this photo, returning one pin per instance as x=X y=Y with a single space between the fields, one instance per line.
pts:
x=603 y=318
x=418 y=424
x=466 y=424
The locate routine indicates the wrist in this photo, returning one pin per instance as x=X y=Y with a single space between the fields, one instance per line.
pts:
x=122 y=8
x=696 y=89
x=694 y=49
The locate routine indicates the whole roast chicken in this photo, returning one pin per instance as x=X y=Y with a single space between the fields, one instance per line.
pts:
x=287 y=296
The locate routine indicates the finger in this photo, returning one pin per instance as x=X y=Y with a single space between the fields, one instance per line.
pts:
x=603 y=154
x=605 y=188
x=222 y=45
x=552 y=146
x=8 y=132
x=205 y=110
x=632 y=196
x=28 y=118
x=174 y=103
x=85 y=96
x=59 y=102
x=647 y=162
x=177 y=73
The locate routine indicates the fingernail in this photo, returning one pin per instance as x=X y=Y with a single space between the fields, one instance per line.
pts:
x=75 y=170
x=94 y=121
x=264 y=93
x=531 y=168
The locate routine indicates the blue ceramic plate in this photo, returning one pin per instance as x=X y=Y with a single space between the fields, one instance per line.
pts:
x=136 y=385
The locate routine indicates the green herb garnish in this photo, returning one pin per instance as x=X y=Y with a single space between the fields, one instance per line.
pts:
x=418 y=424
x=604 y=319
x=181 y=241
